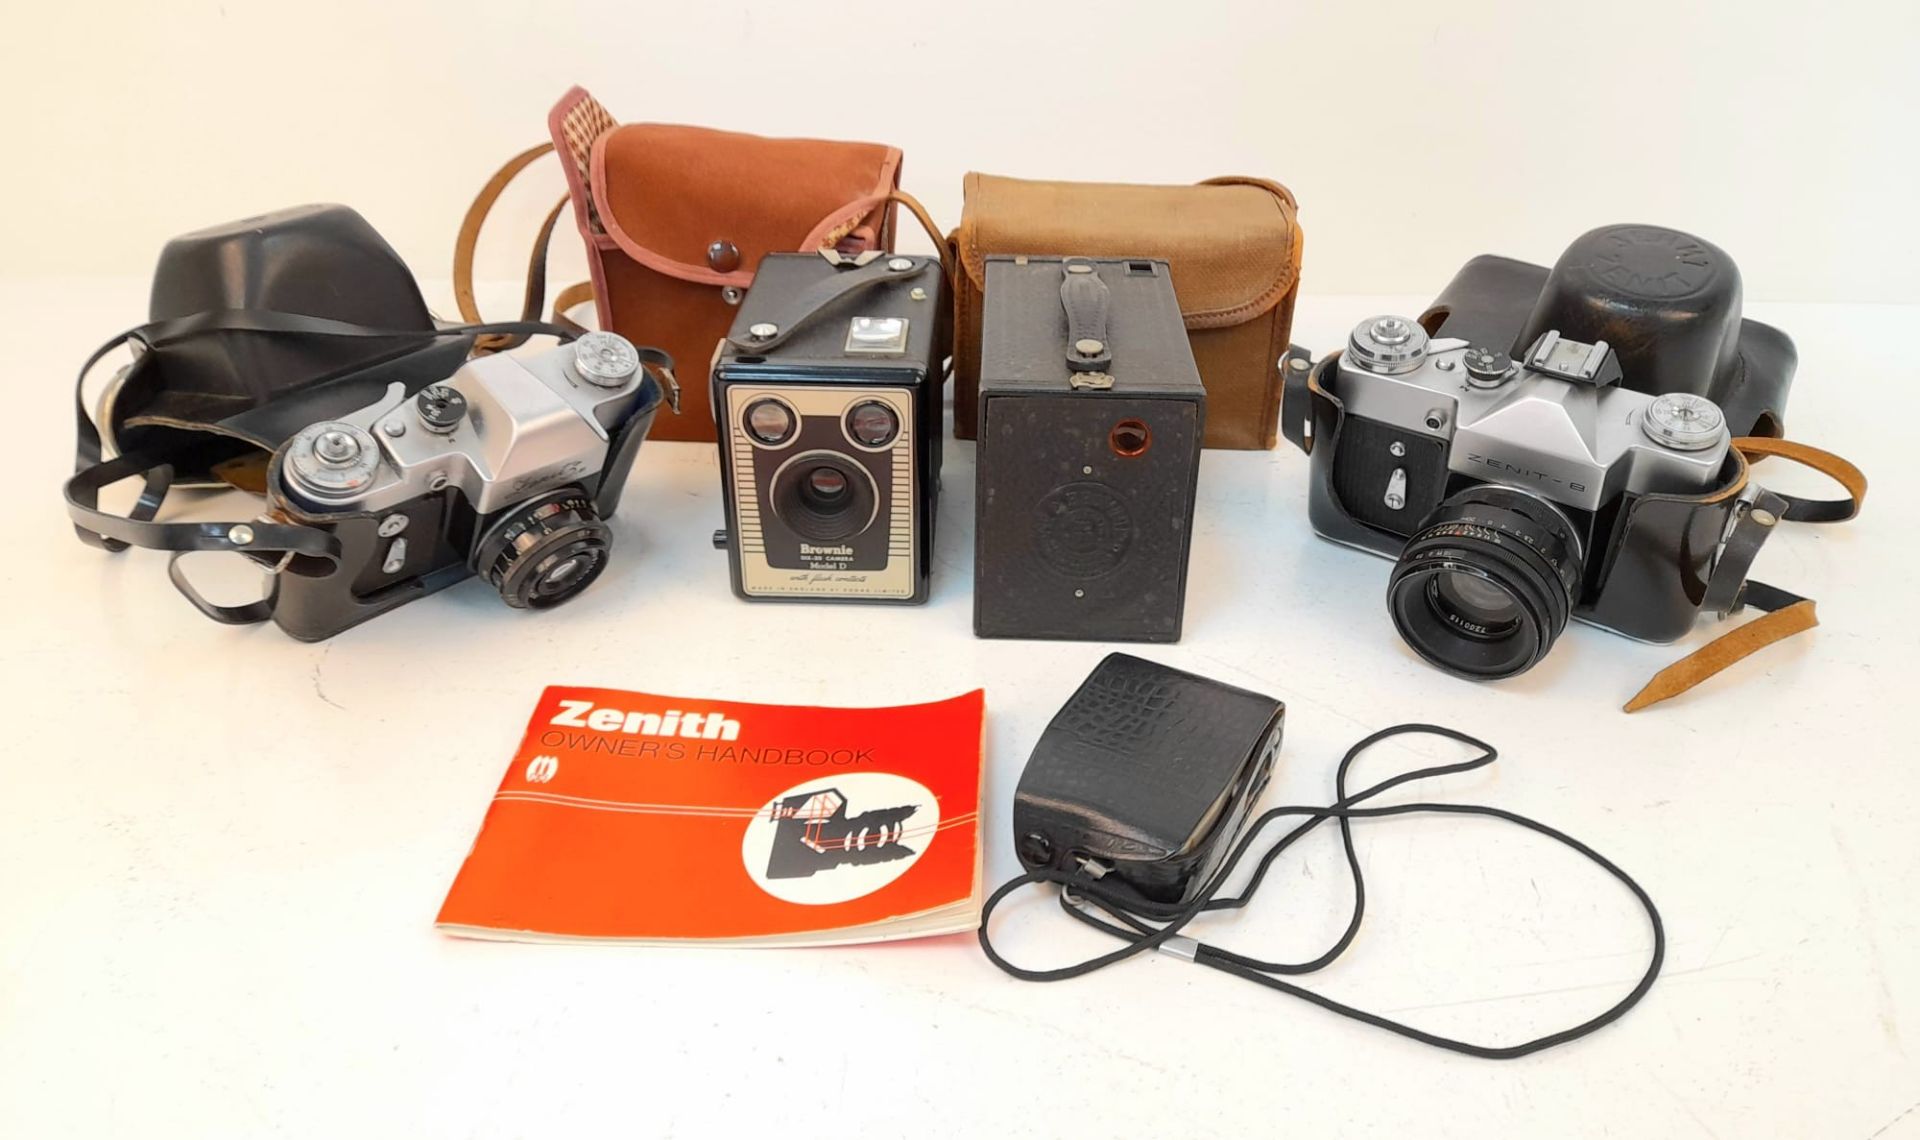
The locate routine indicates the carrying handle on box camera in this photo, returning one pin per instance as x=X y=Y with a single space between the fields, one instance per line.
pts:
x=114 y=532
x=857 y=275
x=1087 y=302
x=1141 y=926
x=1729 y=590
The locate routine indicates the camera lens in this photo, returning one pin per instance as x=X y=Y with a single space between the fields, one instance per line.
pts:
x=824 y=487
x=770 y=421
x=824 y=496
x=1486 y=584
x=1474 y=605
x=545 y=551
x=872 y=424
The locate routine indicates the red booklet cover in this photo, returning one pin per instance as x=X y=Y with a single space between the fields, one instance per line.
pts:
x=651 y=818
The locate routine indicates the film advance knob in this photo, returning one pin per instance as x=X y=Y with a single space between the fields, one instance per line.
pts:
x=605 y=360
x=1683 y=421
x=331 y=462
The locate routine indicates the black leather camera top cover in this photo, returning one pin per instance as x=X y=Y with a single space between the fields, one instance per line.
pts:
x=1144 y=776
x=262 y=326
x=1666 y=302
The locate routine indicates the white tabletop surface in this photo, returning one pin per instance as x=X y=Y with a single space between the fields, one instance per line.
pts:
x=221 y=850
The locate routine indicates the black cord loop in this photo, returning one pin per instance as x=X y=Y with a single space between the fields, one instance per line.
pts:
x=1134 y=923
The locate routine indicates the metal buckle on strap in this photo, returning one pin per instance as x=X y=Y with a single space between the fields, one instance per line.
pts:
x=1754 y=518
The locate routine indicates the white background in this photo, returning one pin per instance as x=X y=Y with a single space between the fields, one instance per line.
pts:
x=221 y=850
x=1416 y=134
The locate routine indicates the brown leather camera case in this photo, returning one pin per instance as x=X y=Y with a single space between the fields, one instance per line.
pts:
x=676 y=220
x=1234 y=248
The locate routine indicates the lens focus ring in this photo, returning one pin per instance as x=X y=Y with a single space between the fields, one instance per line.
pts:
x=1488 y=582
x=545 y=551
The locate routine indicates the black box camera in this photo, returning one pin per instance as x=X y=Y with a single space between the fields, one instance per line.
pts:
x=1091 y=418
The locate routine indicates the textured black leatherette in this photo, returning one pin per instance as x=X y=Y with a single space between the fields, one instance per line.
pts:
x=1144 y=768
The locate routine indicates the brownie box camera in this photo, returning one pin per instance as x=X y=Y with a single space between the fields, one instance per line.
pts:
x=1091 y=419
x=827 y=395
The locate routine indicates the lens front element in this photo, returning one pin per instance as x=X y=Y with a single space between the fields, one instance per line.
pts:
x=824 y=496
x=1476 y=606
x=545 y=551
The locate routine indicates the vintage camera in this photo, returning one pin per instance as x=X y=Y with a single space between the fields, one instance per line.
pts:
x=827 y=393
x=1092 y=414
x=1568 y=456
x=507 y=470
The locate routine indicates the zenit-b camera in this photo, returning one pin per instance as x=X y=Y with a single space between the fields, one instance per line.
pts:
x=506 y=470
x=827 y=393
x=1540 y=446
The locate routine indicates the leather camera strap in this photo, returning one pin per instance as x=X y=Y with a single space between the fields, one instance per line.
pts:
x=468 y=240
x=114 y=533
x=1786 y=613
x=1825 y=462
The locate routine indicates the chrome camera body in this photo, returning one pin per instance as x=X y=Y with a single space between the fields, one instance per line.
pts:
x=506 y=470
x=1507 y=490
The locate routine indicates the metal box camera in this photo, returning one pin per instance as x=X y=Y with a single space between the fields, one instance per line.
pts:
x=1091 y=418
x=827 y=392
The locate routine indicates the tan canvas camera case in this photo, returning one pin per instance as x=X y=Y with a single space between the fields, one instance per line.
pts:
x=1234 y=248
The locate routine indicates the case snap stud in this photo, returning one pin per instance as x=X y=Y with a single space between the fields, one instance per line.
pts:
x=723 y=256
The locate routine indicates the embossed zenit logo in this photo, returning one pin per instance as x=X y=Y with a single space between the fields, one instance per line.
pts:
x=1654 y=263
x=1082 y=530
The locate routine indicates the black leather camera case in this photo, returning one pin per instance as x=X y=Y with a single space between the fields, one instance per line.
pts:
x=1144 y=777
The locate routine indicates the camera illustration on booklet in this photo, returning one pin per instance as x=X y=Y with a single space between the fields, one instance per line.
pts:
x=1541 y=446
x=507 y=470
x=827 y=392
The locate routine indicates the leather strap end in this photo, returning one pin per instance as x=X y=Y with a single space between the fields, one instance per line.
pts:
x=1724 y=651
x=1827 y=463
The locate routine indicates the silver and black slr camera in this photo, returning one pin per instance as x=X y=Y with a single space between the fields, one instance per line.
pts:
x=1546 y=445
x=827 y=393
x=507 y=470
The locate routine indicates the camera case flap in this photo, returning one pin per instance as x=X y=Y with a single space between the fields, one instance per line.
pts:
x=1144 y=777
x=1667 y=304
x=218 y=376
x=1092 y=416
